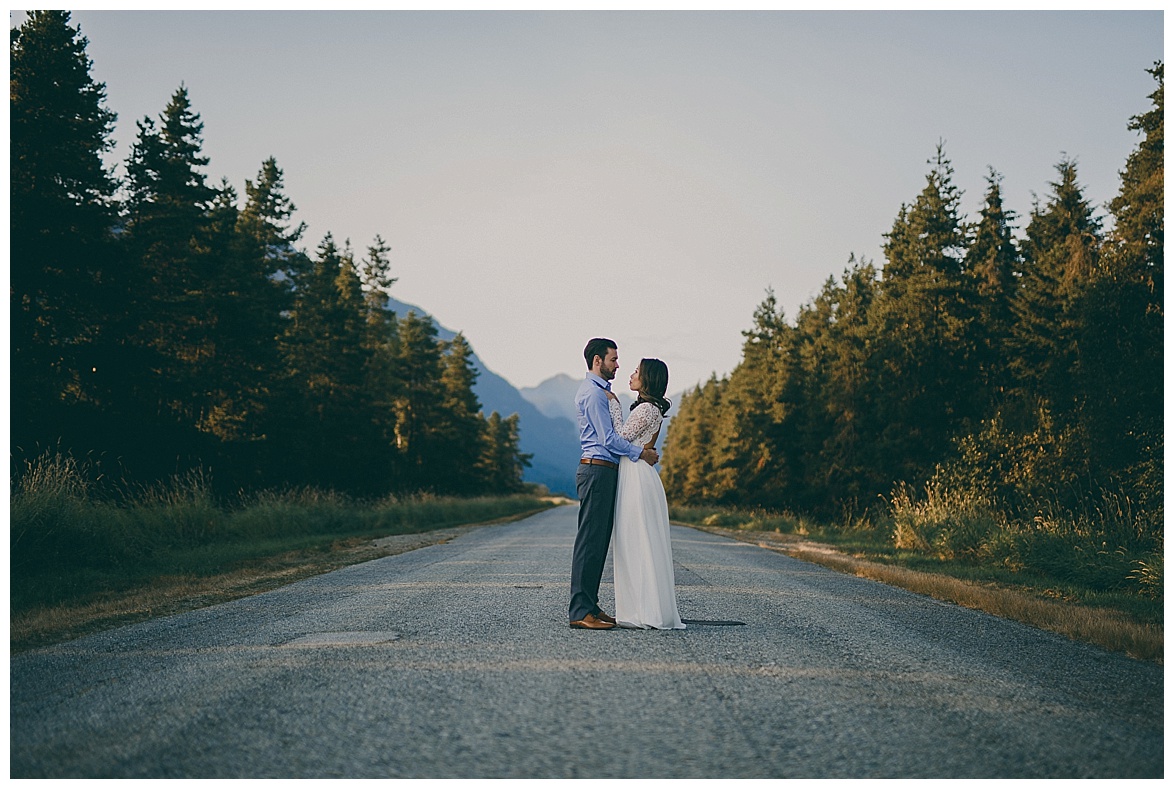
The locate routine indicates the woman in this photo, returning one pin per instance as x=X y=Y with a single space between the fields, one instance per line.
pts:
x=642 y=555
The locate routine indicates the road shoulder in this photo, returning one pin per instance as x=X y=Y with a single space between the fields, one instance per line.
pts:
x=1102 y=627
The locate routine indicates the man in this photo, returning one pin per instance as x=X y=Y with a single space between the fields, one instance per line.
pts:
x=596 y=483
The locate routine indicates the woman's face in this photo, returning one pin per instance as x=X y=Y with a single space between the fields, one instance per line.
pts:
x=634 y=381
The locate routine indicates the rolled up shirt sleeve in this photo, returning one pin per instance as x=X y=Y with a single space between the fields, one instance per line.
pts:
x=600 y=418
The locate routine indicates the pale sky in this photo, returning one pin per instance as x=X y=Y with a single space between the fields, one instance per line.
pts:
x=547 y=177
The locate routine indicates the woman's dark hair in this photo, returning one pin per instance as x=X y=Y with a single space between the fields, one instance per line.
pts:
x=597 y=347
x=654 y=381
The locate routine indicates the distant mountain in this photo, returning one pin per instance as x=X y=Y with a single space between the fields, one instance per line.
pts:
x=547 y=423
x=555 y=398
x=553 y=441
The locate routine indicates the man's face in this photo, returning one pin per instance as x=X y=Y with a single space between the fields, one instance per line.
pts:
x=609 y=364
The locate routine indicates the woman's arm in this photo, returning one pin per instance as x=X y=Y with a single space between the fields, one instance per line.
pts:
x=614 y=410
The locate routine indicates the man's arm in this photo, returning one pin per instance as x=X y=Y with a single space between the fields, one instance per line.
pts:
x=600 y=418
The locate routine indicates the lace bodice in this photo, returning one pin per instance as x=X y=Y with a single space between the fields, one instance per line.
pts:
x=642 y=424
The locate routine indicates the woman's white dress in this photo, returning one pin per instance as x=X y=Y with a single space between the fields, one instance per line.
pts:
x=641 y=552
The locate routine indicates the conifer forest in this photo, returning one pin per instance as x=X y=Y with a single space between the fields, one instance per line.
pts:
x=163 y=324
x=993 y=391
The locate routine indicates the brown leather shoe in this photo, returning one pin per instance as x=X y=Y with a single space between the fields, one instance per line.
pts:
x=590 y=622
x=605 y=617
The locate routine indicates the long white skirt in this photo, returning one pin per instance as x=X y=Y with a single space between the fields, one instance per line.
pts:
x=641 y=553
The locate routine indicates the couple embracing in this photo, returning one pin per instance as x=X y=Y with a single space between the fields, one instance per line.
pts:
x=621 y=496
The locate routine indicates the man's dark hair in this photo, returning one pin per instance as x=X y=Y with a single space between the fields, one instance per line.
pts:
x=597 y=347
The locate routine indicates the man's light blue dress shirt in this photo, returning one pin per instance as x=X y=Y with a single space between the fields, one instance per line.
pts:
x=596 y=432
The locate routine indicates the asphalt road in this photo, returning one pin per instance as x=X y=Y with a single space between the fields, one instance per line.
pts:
x=456 y=661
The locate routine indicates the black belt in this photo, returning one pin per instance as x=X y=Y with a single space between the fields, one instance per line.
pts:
x=598 y=462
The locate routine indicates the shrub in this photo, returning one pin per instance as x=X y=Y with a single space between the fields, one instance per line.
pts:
x=945 y=523
x=1028 y=463
x=1148 y=575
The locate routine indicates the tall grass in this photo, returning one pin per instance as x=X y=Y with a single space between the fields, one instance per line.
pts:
x=946 y=523
x=69 y=539
x=1104 y=549
x=1104 y=544
x=1054 y=571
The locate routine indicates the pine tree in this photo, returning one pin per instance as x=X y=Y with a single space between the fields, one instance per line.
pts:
x=748 y=449
x=1120 y=316
x=929 y=381
x=381 y=345
x=813 y=416
x=502 y=463
x=227 y=368
x=835 y=405
x=1138 y=209
x=266 y=259
x=460 y=432
x=269 y=250
x=1060 y=253
x=64 y=264
x=928 y=238
x=169 y=229
x=331 y=433
x=681 y=449
x=690 y=470
x=418 y=407
x=993 y=263
x=240 y=365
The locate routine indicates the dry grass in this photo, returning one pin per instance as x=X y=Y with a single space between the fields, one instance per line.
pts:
x=175 y=594
x=1104 y=627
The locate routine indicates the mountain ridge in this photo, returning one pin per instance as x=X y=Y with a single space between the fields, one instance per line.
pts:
x=553 y=441
x=555 y=397
x=547 y=422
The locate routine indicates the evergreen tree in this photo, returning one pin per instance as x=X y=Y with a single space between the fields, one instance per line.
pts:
x=993 y=263
x=1139 y=207
x=462 y=429
x=814 y=417
x=228 y=366
x=926 y=329
x=746 y=446
x=681 y=451
x=267 y=257
x=418 y=407
x=268 y=242
x=381 y=345
x=63 y=263
x=836 y=406
x=331 y=434
x=169 y=229
x=501 y=464
x=691 y=472
x=1025 y=372
x=1060 y=253
x=376 y=278
x=1120 y=317
x=929 y=238
x=265 y=251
